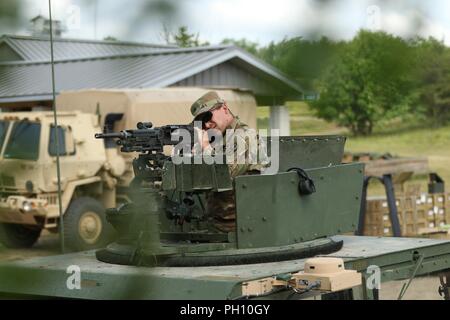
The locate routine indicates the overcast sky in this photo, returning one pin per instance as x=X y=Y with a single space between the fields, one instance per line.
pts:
x=260 y=21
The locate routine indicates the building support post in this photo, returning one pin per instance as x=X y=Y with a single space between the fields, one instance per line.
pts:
x=279 y=119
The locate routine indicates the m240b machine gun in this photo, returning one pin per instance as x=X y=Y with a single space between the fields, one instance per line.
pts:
x=150 y=142
x=146 y=138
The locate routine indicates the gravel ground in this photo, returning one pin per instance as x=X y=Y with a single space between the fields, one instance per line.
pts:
x=422 y=288
x=47 y=245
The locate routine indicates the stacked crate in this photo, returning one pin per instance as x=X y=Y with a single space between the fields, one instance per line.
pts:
x=418 y=215
x=377 y=222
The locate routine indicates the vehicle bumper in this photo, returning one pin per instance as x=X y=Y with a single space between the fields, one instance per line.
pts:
x=20 y=209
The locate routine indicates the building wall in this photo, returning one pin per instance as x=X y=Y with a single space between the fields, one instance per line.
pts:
x=230 y=75
x=8 y=54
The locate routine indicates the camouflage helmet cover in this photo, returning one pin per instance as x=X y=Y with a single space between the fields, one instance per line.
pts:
x=205 y=103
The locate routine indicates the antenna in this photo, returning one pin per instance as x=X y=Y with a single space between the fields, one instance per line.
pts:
x=55 y=118
x=95 y=19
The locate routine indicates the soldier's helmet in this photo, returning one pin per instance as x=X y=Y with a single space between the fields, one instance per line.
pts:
x=205 y=103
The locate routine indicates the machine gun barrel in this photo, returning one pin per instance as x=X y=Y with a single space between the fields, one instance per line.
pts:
x=116 y=135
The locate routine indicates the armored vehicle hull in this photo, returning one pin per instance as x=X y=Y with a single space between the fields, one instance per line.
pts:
x=166 y=250
x=397 y=258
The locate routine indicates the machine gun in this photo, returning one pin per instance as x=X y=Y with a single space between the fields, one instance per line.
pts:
x=146 y=138
x=149 y=142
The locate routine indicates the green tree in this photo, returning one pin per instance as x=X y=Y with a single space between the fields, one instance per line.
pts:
x=183 y=38
x=433 y=76
x=369 y=81
x=301 y=59
x=249 y=46
x=110 y=38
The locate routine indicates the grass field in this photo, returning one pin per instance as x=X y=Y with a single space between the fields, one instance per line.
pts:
x=303 y=121
x=397 y=138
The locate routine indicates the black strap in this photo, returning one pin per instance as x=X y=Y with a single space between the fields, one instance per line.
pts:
x=306 y=184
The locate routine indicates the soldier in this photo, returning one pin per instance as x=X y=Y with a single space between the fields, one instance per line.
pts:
x=246 y=157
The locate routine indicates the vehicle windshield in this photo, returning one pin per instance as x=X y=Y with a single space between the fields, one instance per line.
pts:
x=23 y=141
x=3 y=130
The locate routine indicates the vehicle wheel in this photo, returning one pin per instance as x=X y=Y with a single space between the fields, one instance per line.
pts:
x=85 y=225
x=18 y=236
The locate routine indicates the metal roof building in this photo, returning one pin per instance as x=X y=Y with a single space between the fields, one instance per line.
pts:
x=24 y=48
x=92 y=64
x=224 y=66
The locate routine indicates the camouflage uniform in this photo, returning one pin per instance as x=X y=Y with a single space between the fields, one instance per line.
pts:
x=221 y=206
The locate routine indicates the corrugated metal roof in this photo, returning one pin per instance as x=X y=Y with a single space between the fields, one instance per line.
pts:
x=160 y=68
x=38 y=49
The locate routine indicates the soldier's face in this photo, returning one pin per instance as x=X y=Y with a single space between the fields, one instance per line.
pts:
x=220 y=119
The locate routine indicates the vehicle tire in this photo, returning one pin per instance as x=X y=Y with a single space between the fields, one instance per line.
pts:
x=85 y=225
x=18 y=236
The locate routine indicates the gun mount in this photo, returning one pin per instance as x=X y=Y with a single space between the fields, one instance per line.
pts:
x=167 y=225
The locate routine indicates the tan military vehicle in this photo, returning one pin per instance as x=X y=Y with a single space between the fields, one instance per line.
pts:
x=94 y=175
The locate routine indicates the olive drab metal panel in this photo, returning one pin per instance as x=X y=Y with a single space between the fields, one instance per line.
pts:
x=271 y=212
x=196 y=177
x=309 y=151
